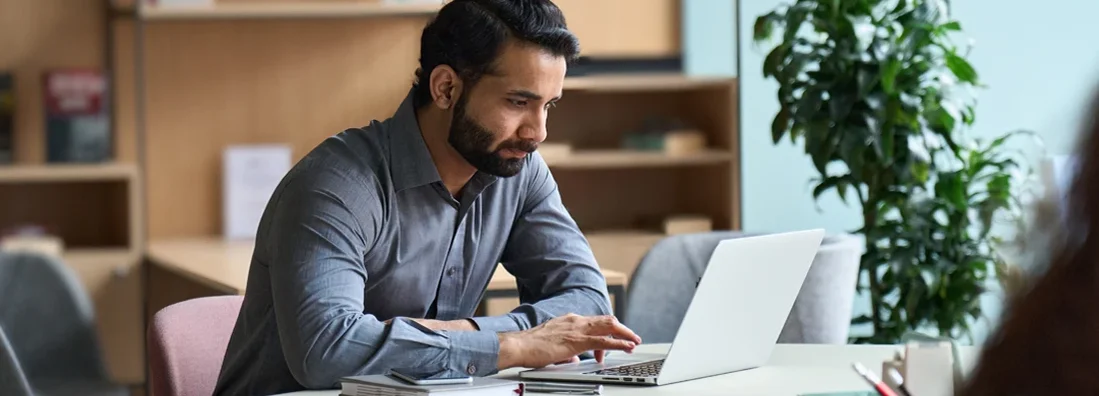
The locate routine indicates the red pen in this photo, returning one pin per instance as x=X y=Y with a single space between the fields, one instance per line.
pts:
x=874 y=381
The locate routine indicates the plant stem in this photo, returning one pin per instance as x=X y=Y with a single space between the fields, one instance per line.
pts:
x=870 y=221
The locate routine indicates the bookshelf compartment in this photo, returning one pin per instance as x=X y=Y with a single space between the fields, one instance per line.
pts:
x=602 y=200
x=84 y=214
x=603 y=120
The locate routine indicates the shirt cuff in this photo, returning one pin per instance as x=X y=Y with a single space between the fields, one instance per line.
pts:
x=499 y=324
x=474 y=353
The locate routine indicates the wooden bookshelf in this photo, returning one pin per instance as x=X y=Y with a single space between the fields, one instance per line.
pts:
x=297 y=10
x=642 y=82
x=601 y=159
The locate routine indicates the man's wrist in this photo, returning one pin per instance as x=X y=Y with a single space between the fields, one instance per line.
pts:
x=509 y=351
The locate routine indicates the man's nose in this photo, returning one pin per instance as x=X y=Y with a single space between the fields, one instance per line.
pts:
x=535 y=127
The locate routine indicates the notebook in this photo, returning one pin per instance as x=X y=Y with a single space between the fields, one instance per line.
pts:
x=383 y=385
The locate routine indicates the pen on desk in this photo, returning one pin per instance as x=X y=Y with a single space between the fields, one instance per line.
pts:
x=878 y=385
x=899 y=380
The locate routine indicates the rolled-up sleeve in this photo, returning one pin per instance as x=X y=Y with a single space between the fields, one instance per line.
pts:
x=318 y=278
x=549 y=256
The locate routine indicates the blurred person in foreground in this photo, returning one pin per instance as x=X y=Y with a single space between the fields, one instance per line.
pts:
x=376 y=248
x=1048 y=340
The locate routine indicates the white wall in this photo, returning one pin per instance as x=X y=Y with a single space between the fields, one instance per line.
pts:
x=1040 y=62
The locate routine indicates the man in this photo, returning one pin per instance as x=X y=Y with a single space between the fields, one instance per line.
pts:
x=376 y=247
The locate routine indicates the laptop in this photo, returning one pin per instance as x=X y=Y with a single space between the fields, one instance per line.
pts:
x=732 y=323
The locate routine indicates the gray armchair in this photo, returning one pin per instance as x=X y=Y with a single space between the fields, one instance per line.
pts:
x=663 y=284
x=12 y=380
x=49 y=322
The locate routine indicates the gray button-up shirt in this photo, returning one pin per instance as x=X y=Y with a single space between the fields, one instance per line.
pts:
x=362 y=230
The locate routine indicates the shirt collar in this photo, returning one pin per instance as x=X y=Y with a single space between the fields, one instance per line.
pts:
x=412 y=165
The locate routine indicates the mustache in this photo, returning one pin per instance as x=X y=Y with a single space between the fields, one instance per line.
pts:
x=523 y=145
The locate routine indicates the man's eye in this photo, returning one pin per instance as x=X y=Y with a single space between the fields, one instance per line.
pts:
x=517 y=103
x=551 y=105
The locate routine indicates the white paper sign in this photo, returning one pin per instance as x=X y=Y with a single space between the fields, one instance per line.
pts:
x=250 y=175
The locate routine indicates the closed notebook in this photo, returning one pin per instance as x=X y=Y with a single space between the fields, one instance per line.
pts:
x=383 y=385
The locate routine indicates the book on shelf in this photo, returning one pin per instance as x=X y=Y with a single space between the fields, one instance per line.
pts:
x=77 y=116
x=7 y=118
x=384 y=385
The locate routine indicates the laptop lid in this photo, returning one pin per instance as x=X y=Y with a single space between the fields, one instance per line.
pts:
x=740 y=305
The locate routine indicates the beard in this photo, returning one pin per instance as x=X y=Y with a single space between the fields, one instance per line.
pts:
x=474 y=143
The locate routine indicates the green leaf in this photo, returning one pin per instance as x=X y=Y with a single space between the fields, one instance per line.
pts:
x=824 y=185
x=772 y=64
x=889 y=75
x=886 y=144
x=795 y=17
x=941 y=121
x=840 y=105
x=951 y=188
x=809 y=105
x=764 y=27
x=841 y=189
x=861 y=319
x=920 y=171
x=827 y=148
x=780 y=124
x=952 y=26
x=852 y=150
x=961 y=68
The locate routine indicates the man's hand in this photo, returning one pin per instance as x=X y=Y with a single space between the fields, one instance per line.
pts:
x=444 y=325
x=562 y=339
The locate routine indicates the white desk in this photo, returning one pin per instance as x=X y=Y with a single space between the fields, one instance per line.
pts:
x=791 y=371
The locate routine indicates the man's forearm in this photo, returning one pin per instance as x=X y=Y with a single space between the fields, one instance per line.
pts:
x=580 y=301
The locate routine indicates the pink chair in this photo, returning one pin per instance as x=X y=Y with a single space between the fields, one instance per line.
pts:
x=187 y=342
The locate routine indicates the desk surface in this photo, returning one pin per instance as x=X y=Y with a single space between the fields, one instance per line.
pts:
x=792 y=370
x=223 y=265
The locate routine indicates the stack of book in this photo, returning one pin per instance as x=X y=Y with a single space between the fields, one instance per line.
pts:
x=384 y=385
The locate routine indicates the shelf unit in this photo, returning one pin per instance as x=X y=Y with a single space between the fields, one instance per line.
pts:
x=611 y=158
x=48 y=173
x=285 y=11
x=643 y=82
x=95 y=210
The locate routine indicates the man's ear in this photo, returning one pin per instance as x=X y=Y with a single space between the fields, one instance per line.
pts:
x=446 y=87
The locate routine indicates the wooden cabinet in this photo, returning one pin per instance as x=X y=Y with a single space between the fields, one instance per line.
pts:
x=625 y=28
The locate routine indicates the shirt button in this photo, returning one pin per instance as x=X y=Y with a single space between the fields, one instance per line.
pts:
x=471 y=369
x=451 y=271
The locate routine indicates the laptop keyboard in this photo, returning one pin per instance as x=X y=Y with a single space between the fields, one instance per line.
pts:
x=646 y=369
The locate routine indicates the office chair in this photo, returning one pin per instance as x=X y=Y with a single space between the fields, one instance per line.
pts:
x=49 y=322
x=664 y=282
x=187 y=342
x=12 y=380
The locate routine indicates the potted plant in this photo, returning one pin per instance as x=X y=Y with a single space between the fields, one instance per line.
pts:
x=881 y=99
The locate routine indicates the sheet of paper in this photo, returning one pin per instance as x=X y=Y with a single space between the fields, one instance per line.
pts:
x=250 y=175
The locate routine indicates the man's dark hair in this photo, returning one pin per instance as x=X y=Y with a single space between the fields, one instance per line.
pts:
x=467 y=35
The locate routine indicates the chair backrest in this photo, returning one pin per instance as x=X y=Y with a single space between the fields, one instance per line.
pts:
x=12 y=380
x=187 y=343
x=663 y=284
x=48 y=318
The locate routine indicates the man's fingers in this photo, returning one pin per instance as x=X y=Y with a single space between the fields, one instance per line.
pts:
x=597 y=343
x=609 y=325
x=599 y=355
